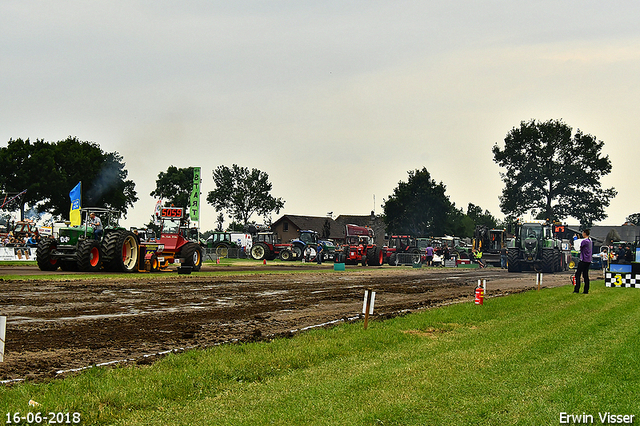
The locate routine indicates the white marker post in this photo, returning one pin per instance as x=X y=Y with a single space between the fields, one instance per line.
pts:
x=367 y=305
x=539 y=280
x=3 y=328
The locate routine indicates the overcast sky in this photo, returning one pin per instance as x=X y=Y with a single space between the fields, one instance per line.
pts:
x=334 y=100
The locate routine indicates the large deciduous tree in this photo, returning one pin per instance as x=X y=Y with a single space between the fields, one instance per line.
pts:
x=242 y=192
x=48 y=171
x=553 y=173
x=420 y=207
x=174 y=186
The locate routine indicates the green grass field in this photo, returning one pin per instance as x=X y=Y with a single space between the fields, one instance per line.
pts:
x=521 y=359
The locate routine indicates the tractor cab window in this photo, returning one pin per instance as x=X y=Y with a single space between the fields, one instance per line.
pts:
x=170 y=226
x=352 y=240
x=307 y=238
x=532 y=231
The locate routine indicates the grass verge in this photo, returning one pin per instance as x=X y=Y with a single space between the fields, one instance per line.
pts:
x=522 y=359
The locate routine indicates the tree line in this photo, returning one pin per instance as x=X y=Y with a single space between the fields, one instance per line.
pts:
x=550 y=172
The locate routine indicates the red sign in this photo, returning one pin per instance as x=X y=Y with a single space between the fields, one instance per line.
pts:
x=172 y=212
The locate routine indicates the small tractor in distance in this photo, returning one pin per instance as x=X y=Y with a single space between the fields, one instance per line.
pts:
x=76 y=247
x=266 y=247
x=535 y=247
x=311 y=239
x=221 y=242
x=489 y=242
x=177 y=243
x=401 y=244
x=359 y=247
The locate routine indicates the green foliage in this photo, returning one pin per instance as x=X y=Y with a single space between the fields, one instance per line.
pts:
x=552 y=173
x=481 y=219
x=50 y=170
x=634 y=218
x=420 y=207
x=521 y=359
x=174 y=186
x=220 y=222
x=242 y=192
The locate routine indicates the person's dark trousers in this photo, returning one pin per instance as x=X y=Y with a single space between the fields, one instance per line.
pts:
x=583 y=269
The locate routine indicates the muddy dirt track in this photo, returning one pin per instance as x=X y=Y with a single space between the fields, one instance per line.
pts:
x=55 y=326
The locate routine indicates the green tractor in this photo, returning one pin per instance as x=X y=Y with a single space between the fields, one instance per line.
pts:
x=535 y=247
x=76 y=248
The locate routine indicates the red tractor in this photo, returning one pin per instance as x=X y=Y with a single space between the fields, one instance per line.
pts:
x=359 y=247
x=266 y=247
x=177 y=243
x=402 y=244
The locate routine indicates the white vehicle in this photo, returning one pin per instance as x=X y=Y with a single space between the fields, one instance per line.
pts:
x=242 y=240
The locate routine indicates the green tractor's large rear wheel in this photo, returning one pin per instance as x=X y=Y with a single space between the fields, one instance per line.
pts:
x=548 y=260
x=43 y=255
x=120 y=251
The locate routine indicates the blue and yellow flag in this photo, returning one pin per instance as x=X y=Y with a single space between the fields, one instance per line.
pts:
x=76 y=203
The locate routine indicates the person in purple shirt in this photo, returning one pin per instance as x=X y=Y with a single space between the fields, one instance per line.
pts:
x=429 y=257
x=586 y=251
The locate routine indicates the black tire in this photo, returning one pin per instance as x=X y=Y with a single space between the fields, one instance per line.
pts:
x=364 y=260
x=392 y=259
x=120 y=251
x=154 y=264
x=548 y=259
x=260 y=251
x=192 y=255
x=222 y=250
x=43 y=255
x=557 y=261
x=89 y=256
x=513 y=263
x=374 y=255
x=415 y=256
x=286 y=255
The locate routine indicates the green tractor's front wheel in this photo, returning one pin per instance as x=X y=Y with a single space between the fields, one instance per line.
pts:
x=120 y=251
x=89 y=256
x=43 y=255
x=513 y=260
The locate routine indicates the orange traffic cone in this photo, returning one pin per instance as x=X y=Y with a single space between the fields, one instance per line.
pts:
x=264 y=261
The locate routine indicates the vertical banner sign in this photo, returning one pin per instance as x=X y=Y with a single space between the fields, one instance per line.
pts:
x=194 y=208
x=76 y=203
x=3 y=327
